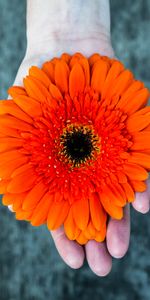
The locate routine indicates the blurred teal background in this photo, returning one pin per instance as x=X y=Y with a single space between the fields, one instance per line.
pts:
x=30 y=268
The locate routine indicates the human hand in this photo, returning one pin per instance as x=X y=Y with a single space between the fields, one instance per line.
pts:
x=71 y=35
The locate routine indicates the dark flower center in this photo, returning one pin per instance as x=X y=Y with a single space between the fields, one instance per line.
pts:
x=78 y=144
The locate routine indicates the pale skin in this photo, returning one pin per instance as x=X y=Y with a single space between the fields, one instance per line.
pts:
x=54 y=27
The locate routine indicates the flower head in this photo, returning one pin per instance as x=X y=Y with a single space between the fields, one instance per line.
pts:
x=74 y=144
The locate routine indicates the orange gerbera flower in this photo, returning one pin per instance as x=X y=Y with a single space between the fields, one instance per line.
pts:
x=74 y=144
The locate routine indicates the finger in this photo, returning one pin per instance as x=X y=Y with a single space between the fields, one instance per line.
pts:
x=118 y=234
x=71 y=252
x=141 y=202
x=98 y=258
x=148 y=188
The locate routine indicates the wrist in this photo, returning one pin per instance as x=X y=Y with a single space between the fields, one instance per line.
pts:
x=68 y=26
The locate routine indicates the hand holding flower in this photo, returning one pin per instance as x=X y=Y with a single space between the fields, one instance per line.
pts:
x=109 y=128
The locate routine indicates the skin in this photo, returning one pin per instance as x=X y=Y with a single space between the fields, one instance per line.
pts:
x=86 y=29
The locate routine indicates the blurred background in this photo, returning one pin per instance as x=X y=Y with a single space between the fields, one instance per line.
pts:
x=30 y=268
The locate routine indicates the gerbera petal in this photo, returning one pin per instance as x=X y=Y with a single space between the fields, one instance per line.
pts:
x=15 y=91
x=7 y=168
x=121 y=83
x=137 y=123
x=18 y=200
x=62 y=216
x=94 y=58
x=34 y=196
x=91 y=233
x=10 y=155
x=122 y=178
x=141 y=141
x=115 y=195
x=22 y=182
x=118 y=195
x=81 y=239
x=13 y=199
x=80 y=210
x=48 y=68
x=9 y=143
x=100 y=70
x=139 y=158
x=97 y=212
x=87 y=234
x=134 y=87
x=146 y=151
x=55 y=60
x=29 y=106
x=41 y=211
x=3 y=185
x=135 y=172
x=116 y=68
x=62 y=76
x=66 y=57
x=71 y=229
x=9 y=107
x=142 y=112
x=57 y=214
x=85 y=65
x=91 y=230
x=8 y=199
x=23 y=215
x=40 y=75
x=113 y=210
x=76 y=80
x=147 y=128
x=35 y=89
x=129 y=191
x=134 y=101
x=55 y=92
x=100 y=235
x=75 y=59
x=139 y=186
x=14 y=123
x=58 y=197
x=21 y=169
x=129 y=93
